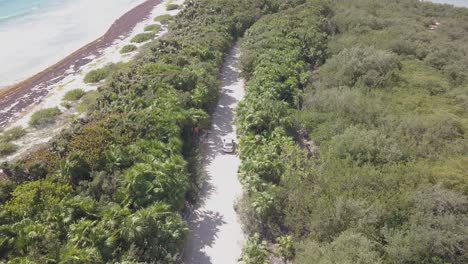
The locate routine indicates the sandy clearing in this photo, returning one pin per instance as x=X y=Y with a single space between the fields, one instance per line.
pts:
x=215 y=235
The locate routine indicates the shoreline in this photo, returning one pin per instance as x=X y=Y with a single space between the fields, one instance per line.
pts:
x=15 y=98
x=36 y=138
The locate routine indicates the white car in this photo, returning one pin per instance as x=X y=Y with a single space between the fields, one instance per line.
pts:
x=229 y=145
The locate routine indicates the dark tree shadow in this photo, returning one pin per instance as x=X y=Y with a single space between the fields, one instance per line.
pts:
x=204 y=227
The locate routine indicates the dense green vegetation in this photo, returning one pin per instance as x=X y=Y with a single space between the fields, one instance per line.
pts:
x=44 y=117
x=255 y=251
x=386 y=105
x=380 y=87
x=111 y=188
x=277 y=54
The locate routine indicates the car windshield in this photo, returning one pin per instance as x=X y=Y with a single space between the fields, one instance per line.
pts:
x=228 y=144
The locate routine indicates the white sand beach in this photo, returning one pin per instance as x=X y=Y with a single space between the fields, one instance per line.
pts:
x=73 y=81
x=32 y=42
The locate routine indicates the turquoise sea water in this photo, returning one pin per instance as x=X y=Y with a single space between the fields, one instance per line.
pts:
x=35 y=34
x=10 y=9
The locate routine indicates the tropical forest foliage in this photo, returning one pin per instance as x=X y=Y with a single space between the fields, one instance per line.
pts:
x=353 y=139
x=379 y=89
x=111 y=189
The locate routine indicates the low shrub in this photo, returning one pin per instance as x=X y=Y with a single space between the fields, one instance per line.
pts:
x=142 y=37
x=153 y=28
x=66 y=104
x=365 y=147
x=6 y=188
x=98 y=75
x=170 y=7
x=349 y=247
x=255 y=251
x=74 y=95
x=44 y=117
x=91 y=142
x=46 y=157
x=88 y=102
x=6 y=148
x=13 y=134
x=163 y=19
x=286 y=248
x=128 y=49
x=361 y=67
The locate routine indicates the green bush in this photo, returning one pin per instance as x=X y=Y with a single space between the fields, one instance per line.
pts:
x=44 y=117
x=286 y=248
x=170 y=7
x=153 y=28
x=98 y=75
x=7 y=148
x=365 y=146
x=362 y=67
x=382 y=98
x=88 y=102
x=12 y=134
x=275 y=56
x=349 y=247
x=128 y=49
x=74 y=95
x=254 y=251
x=436 y=218
x=6 y=189
x=142 y=37
x=164 y=19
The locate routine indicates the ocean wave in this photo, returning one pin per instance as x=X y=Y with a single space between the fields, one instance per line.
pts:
x=17 y=14
x=14 y=15
x=20 y=10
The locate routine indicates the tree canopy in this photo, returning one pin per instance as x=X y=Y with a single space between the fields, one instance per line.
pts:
x=378 y=89
x=112 y=187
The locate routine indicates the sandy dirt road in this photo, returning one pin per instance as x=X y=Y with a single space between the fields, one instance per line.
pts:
x=215 y=231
